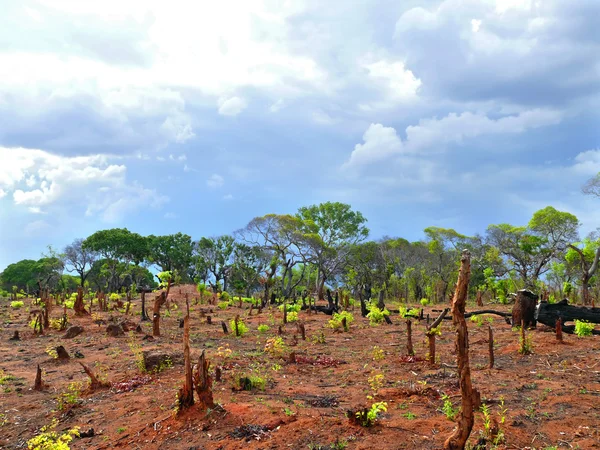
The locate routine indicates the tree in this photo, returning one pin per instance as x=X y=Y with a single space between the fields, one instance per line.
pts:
x=248 y=265
x=278 y=234
x=592 y=186
x=216 y=255
x=79 y=259
x=119 y=248
x=586 y=255
x=21 y=274
x=172 y=252
x=530 y=249
x=329 y=230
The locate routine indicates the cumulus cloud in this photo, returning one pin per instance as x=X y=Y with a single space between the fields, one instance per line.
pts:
x=215 y=181
x=40 y=180
x=232 y=106
x=431 y=135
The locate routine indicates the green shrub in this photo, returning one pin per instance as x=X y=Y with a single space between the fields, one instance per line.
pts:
x=413 y=312
x=368 y=417
x=241 y=327
x=225 y=296
x=292 y=316
x=17 y=304
x=263 y=328
x=376 y=315
x=114 y=297
x=51 y=440
x=290 y=307
x=583 y=328
x=424 y=301
x=223 y=305
x=336 y=320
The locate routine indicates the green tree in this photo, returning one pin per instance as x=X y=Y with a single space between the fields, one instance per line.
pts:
x=215 y=254
x=585 y=255
x=530 y=249
x=172 y=252
x=329 y=230
x=79 y=259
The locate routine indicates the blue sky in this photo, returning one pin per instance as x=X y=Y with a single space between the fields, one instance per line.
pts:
x=198 y=116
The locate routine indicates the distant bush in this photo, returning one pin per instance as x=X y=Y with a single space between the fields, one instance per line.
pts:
x=337 y=318
x=114 y=297
x=263 y=328
x=424 y=301
x=223 y=305
x=241 y=327
x=292 y=316
x=290 y=307
x=17 y=304
x=225 y=296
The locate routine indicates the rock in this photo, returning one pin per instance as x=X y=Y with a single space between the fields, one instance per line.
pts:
x=88 y=433
x=154 y=359
x=73 y=331
x=114 y=330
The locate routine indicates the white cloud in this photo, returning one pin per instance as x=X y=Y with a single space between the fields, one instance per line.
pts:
x=215 y=181
x=2 y=193
x=431 y=135
x=399 y=82
x=475 y=25
x=275 y=107
x=40 y=179
x=228 y=197
x=232 y=106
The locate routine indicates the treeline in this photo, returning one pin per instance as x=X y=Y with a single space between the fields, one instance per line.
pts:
x=325 y=246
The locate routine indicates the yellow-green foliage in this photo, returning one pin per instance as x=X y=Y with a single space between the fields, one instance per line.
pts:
x=51 y=440
x=241 y=327
x=223 y=305
x=336 y=320
x=16 y=304
x=292 y=316
x=290 y=307
x=275 y=346
x=376 y=315
x=583 y=328
x=263 y=328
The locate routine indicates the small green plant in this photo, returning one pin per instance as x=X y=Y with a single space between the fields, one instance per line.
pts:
x=376 y=315
x=448 y=408
x=583 y=328
x=223 y=305
x=337 y=320
x=51 y=440
x=477 y=320
x=263 y=328
x=292 y=316
x=289 y=412
x=17 y=304
x=409 y=416
x=225 y=296
x=275 y=346
x=241 y=327
x=290 y=307
x=51 y=351
x=121 y=429
x=404 y=313
x=377 y=353
x=376 y=382
x=69 y=397
x=424 y=301
x=250 y=383
x=368 y=417
x=318 y=338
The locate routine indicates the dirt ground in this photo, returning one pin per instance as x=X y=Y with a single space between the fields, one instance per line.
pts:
x=547 y=399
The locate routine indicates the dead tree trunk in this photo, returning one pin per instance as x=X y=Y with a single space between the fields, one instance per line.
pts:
x=587 y=272
x=158 y=302
x=185 y=397
x=203 y=383
x=491 y=345
x=559 y=337
x=458 y=439
x=95 y=383
x=431 y=332
x=524 y=308
x=409 y=344
x=39 y=384
x=380 y=300
x=549 y=313
x=479 y=298
x=145 y=317
x=78 y=306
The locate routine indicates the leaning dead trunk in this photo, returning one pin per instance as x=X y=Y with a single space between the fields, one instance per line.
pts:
x=458 y=439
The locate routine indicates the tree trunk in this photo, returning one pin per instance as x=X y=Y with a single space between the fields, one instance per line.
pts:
x=185 y=397
x=159 y=300
x=203 y=383
x=144 y=313
x=524 y=308
x=409 y=344
x=458 y=439
x=491 y=346
x=39 y=384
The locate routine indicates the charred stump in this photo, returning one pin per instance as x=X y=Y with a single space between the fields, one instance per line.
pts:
x=524 y=308
x=185 y=396
x=491 y=346
x=38 y=384
x=409 y=344
x=95 y=383
x=203 y=383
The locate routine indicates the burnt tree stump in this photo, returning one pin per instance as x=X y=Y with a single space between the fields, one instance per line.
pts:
x=524 y=309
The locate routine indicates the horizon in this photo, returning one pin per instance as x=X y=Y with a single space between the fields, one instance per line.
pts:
x=196 y=119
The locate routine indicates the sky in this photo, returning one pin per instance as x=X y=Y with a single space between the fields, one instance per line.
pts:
x=198 y=116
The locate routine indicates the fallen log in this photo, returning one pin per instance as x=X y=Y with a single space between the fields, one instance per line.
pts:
x=549 y=313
